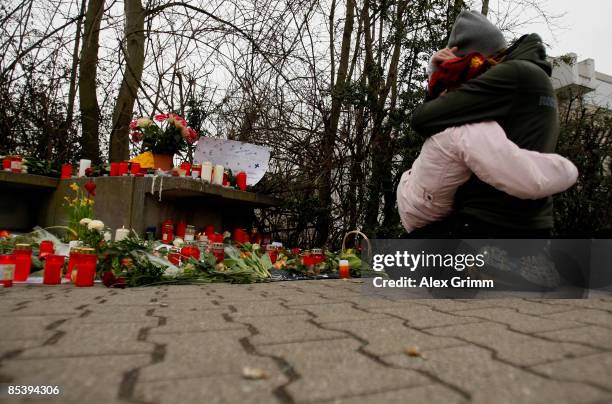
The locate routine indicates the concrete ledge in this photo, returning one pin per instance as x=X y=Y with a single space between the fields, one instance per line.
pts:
x=27 y=180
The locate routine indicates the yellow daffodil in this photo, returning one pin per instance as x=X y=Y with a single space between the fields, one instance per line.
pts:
x=74 y=186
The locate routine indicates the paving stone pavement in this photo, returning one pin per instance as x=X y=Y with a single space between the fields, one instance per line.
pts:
x=316 y=341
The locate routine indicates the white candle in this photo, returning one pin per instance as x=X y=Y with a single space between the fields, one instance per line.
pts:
x=206 y=171
x=218 y=175
x=83 y=165
x=121 y=234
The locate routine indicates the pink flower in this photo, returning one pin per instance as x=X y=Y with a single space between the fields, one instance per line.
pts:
x=134 y=124
x=161 y=117
x=177 y=120
x=190 y=135
x=137 y=136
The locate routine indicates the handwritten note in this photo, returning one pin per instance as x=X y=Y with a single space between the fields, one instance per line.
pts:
x=237 y=156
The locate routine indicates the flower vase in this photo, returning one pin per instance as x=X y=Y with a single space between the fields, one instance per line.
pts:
x=163 y=161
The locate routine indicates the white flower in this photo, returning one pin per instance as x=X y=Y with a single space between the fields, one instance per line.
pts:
x=85 y=221
x=97 y=225
x=178 y=242
x=144 y=122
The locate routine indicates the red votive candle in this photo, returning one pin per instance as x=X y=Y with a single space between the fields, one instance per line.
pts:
x=66 y=171
x=225 y=179
x=73 y=258
x=167 y=232
x=114 y=169
x=123 y=168
x=23 y=261
x=344 y=269
x=46 y=248
x=181 y=227
x=7 y=270
x=241 y=178
x=86 y=268
x=135 y=168
x=219 y=251
x=6 y=164
x=272 y=253
x=186 y=167
x=53 y=269
x=210 y=231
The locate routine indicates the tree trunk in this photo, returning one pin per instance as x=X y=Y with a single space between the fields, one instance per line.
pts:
x=87 y=81
x=382 y=149
x=134 y=63
x=331 y=127
x=485 y=7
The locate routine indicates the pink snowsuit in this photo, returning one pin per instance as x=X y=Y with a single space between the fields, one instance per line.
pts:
x=447 y=160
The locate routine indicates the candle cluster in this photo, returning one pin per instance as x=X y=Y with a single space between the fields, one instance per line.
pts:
x=81 y=268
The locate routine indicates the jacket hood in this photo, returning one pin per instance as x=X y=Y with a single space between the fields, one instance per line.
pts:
x=530 y=47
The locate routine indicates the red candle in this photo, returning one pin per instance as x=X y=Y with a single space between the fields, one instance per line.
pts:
x=225 y=179
x=210 y=231
x=6 y=164
x=181 y=227
x=16 y=166
x=344 y=269
x=114 y=170
x=219 y=252
x=167 y=232
x=135 y=168
x=241 y=178
x=46 y=248
x=23 y=261
x=7 y=270
x=86 y=268
x=272 y=253
x=186 y=167
x=66 y=171
x=53 y=269
x=123 y=168
x=73 y=258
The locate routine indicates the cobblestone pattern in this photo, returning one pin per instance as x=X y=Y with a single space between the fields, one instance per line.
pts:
x=318 y=341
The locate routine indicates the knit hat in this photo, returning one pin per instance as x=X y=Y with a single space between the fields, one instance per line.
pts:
x=472 y=32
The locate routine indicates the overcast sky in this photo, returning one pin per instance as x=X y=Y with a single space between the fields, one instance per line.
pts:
x=587 y=31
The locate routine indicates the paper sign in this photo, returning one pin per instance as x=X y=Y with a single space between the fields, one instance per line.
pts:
x=237 y=156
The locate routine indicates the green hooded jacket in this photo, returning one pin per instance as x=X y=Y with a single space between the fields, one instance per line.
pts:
x=517 y=94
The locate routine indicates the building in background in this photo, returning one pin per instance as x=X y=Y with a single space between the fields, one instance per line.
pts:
x=573 y=78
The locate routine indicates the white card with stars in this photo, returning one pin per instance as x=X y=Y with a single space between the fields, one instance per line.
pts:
x=237 y=156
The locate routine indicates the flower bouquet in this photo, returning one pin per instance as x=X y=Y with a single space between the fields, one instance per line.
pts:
x=164 y=135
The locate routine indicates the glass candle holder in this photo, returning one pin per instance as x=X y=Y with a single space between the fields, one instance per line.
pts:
x=135 y=168
x=181 y=228
x=73 y=258
x=317 y=255
x=66 y=171
x=23 y=261
x=272 y=253
x=7 y=270
x=45 y=248
x=53 y=269
x=196 y=171
x=86 y=268
x=123 y=168
x=114 y=169
x=344 y=269
x=189 y=233
x=241 y=179
x=167 y=232
x=219 y=251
